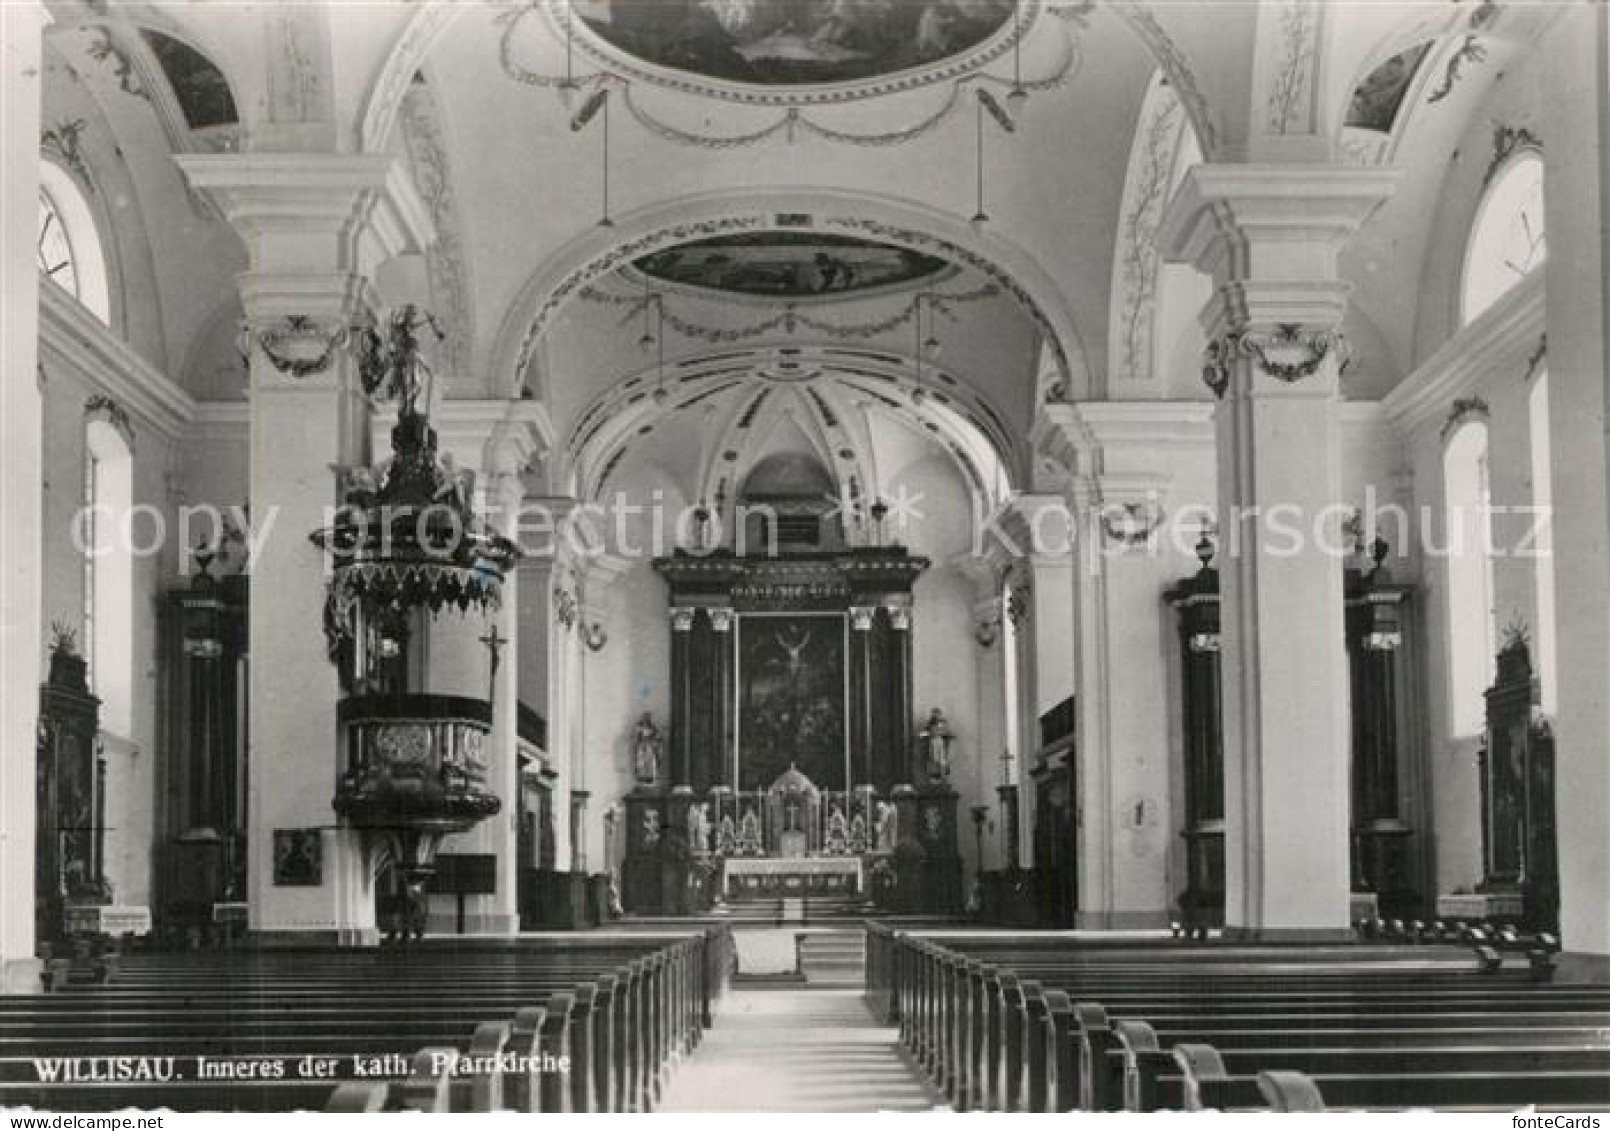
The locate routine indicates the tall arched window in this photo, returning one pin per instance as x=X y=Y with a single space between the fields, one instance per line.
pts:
x=109 y=572
x=1470 y=577
x=68 y=250
x=1543 y=640
x=1508 y=239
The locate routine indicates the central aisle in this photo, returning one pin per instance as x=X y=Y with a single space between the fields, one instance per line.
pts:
x=798 y=1050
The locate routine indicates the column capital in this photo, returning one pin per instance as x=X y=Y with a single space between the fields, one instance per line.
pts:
x=1273 y=223
x=601 y=571
x=1029 y=526
x=315 y=224
x=986 y=574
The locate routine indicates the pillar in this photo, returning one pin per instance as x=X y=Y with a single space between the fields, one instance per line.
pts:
x=683 y=692
x=991 y=639
x=315 y=228
x=723 y=672
x=460 y=656
x=21 y=472
x=598 y=575
x=859 y=663
x=1576 y=105
x=1270 y=237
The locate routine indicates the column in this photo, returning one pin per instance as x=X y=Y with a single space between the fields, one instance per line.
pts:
x=1093 y=706
x=547 y=646
x=538 y=652
x=860 y=677
x=564 y=721
x=315 y=227
x=1576 y=105
x=721 y=690
x=989 y=634
x=1270 y=237
x=683 y=684
x=595 y=735
x=895 y=758
x=21 y=472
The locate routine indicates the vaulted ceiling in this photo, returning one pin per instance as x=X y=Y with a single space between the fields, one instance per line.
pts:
x=826 y=217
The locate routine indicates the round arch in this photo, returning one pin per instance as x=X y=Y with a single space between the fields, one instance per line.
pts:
x=86 y=251
x=1507 y=239
x=601 y=250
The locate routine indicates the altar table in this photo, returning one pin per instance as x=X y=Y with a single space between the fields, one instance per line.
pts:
x=799 y=875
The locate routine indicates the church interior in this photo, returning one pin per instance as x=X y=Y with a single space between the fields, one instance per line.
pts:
x=1041 y=554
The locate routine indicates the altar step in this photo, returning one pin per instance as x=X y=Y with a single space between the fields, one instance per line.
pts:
x=833 y=958
x=787 y=910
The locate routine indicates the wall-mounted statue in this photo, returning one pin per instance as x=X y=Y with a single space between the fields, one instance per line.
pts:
x=936 y=738
x=647 y=746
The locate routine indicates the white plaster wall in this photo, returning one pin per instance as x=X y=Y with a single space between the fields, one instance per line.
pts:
x=1142 y=862
x=631 y=673
x=1515 y=100
x=1455 y=783
x=130 y=756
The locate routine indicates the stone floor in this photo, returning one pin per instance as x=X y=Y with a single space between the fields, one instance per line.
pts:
x=798 y=1051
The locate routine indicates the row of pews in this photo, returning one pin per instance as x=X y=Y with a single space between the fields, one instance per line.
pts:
x=572 y=1024
x=1013 y=1022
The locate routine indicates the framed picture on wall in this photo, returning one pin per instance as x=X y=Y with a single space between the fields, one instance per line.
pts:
x=298 y=858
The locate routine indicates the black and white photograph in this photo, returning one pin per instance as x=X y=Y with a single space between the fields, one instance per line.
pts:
x=804 y=556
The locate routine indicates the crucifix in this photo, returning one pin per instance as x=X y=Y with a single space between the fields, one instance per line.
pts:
x=494 y=645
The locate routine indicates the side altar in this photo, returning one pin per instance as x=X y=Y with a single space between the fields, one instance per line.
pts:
x=793 y=762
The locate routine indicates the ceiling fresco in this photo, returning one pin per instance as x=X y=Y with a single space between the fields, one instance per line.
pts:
x=200 y=87
x=788 y=265
x=1376 y=101
x=794 y=42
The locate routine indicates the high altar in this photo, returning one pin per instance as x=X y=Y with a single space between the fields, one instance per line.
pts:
x=792 y=766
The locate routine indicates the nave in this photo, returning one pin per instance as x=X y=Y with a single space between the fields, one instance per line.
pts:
x=603 y=529
x=955 y=1018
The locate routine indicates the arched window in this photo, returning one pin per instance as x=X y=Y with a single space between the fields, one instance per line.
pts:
x=1543 y=640
x=69 y=250
x=1508 y=239
x=1470 y=577
x=109 y=572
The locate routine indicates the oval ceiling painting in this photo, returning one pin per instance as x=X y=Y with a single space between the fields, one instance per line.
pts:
x=780 y=43
x=788 y=264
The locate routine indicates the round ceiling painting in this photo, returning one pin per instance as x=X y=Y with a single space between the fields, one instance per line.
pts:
x=781 y=43
x=788 y=264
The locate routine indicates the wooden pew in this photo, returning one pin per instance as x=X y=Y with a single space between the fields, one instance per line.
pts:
x=1298 y=1003
x=340 y=1003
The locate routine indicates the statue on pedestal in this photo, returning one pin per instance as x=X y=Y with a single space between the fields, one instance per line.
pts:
x=699 y=828
x=647 y=747
x=936 y=737
x=886 y=827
